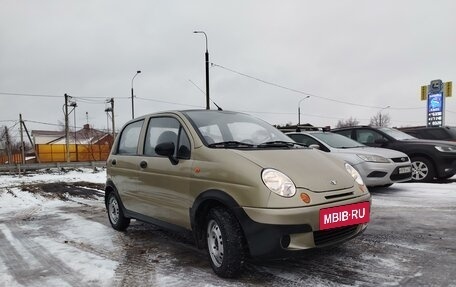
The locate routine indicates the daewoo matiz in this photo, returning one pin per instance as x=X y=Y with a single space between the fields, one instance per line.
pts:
x=240 y=186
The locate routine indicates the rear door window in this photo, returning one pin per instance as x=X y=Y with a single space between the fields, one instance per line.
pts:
x=129 y=138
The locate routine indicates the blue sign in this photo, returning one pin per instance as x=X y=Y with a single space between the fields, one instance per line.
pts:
x=435 y=110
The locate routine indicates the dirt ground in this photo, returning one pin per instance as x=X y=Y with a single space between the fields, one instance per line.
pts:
x=410 y=242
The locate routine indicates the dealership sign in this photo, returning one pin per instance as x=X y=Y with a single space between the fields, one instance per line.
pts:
x=435 y=94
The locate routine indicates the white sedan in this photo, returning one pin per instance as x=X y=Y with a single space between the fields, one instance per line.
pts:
x=377 y=166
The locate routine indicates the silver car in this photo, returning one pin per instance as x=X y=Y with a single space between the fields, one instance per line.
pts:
x=377 y=166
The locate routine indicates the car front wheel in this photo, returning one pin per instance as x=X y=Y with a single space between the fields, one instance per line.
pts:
x=115 y=214
x=225 y=243
x=422 y=169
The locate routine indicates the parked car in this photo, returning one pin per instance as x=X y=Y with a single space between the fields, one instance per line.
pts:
x=377 y=166
x=445 y=133
x=430 y=159
x=239 y=185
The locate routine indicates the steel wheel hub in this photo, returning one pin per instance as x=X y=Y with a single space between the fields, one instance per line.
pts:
x=215 y=243
x=113 y=208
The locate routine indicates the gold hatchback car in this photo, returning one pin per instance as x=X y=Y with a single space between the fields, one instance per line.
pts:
x=239 y=185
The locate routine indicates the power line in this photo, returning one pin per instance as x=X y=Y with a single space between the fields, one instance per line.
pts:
x=166 y=102
x=42 y=123
x=29 y=95
x=306 y=93
x=56 y=96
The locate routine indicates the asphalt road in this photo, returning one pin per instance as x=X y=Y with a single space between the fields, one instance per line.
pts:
x=411 y=241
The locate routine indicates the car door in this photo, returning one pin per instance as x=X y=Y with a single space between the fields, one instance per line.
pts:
x=123 y=164
x=164 y=186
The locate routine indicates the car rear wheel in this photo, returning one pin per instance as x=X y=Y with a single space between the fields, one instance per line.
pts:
x=225 y=243
x=422 y=169
x=115 y=213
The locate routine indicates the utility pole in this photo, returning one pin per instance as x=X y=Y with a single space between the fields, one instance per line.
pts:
x=67 y=141
x=31 y=143
x=8 y=145
x=111 y=110
x=22 y=139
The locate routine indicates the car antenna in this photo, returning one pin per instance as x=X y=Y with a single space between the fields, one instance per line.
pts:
x=218 y=108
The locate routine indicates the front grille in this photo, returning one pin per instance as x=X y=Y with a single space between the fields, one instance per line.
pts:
x=338 y=195
x=324 y=237
x=400 y=159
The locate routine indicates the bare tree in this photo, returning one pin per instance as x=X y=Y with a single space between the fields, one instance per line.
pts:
x=2 y=137
x=380 y=120
x=351 y=122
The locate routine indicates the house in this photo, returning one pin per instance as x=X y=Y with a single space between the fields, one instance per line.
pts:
x=86 y=135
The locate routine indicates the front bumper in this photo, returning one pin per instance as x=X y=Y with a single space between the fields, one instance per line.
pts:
x=446 y=164
x=377 y=174
x=279 y=232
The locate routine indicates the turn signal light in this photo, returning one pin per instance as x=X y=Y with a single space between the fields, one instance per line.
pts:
x=305 y=197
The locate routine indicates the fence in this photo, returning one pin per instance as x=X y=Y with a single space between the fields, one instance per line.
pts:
x=50 y=153
x=78 y=152
x=15 y=158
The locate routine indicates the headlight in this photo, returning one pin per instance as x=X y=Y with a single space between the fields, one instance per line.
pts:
x=373 y=158
x=443 y=148
x=354 y=173
x=278 y=182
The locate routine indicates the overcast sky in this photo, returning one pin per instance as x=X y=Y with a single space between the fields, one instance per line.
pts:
x=353 y=57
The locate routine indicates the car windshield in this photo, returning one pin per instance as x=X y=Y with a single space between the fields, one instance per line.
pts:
x=336 y=140
x=236 y=130
x=396 y=134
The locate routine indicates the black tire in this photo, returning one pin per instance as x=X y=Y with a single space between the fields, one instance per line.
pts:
x=422 y=169
x=225 y=243
x=115 y=214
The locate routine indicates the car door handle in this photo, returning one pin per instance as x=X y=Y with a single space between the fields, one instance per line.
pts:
x=113 y=162
x=143 y=164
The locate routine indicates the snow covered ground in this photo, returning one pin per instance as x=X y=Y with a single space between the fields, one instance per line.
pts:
x=65 y=240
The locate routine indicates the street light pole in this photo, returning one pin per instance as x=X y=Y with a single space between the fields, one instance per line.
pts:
x=132 y=96
x=299 y=109
x=380 y=115
x=207 y=69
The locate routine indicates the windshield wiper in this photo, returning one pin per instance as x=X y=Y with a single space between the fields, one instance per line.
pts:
x=279 y=144
x=230 y=144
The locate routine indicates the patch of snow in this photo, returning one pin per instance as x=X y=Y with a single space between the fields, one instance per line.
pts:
x=83 y=174
x=94 y=268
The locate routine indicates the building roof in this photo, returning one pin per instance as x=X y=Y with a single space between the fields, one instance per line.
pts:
x=86 y=135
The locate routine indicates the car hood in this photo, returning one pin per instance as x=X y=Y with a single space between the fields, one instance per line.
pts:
x=307 y=168
x=428 y=142
x=384 y=152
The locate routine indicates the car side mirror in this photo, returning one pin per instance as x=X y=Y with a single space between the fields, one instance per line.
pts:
x=167 y=149
x=315 y=146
